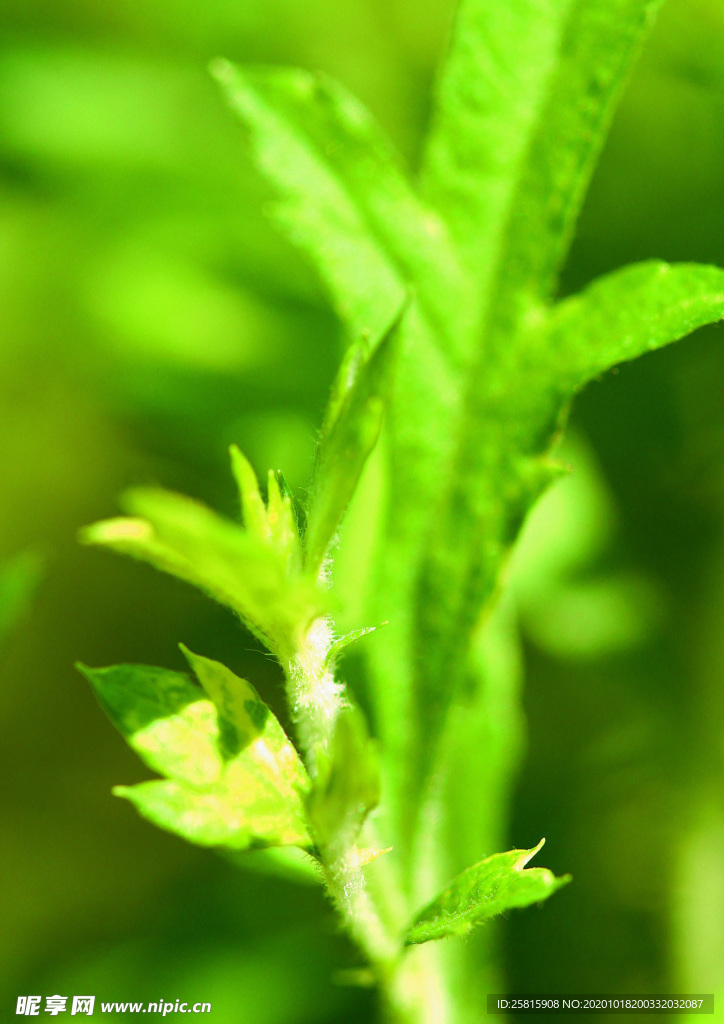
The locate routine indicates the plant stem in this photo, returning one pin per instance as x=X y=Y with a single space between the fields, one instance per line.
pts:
x=315 y=697
x=411 y=983
x=414 y=991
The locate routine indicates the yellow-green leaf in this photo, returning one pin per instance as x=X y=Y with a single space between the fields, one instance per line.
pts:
x=233 y=778
x=232 y=565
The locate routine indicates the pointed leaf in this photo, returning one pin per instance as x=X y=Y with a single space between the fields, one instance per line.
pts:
x=252 y=505
x=246 y=722
x=233 y=777
x=349 y=638
x=487 y=99
x=188 y=540
x=346 y=444
x=163 y=716
x=283 y=529
x=342 y=195
x=512 y=410
x=601 y=39
x=343 y=199
x=482 y=891
x=523 y=105
x=631 y=311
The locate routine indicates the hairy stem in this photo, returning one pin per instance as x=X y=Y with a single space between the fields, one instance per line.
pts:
x=411 y=983
x=316 y=699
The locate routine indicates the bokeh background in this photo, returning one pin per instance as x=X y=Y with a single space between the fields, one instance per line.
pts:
x=149 y=315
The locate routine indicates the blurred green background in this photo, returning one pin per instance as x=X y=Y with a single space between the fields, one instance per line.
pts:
x=149 y=316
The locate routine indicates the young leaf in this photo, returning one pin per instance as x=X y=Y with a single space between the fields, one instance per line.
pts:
x=342 y=195
x=164 y=717
x=233 y=779
x=246 y=722
x=482 y=891
x=347 y=786
x=283 y=529
x=253 y=509
x=349 y=434
x=274 y=522
x=349 y=638
x=245 y=812
x=237 y=568
x=631 y=311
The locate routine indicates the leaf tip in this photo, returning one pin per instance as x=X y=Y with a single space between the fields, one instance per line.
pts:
x=113 y=531
x=528 y=855
x=86 y=671
x=193 y=660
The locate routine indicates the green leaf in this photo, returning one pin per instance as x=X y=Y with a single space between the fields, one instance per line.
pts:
x=522 y=107
x=496 y=884
x=486 y=101
x=233 y=778
x=343 y=198
x=164 y=717
x=503 y=467
x=349 y=434
x=347 y=785
x=513 y=407
x=253 y=508
x=247 y=723
x=283 y=529
x=246 y=813
x=287 y=862
x=343 y=642
x=251 y=575
x=274 y=522
x=600 y=40
x=342 y=194
x=631 y=311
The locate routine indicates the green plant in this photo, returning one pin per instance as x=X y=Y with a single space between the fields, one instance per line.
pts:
x=437 y=441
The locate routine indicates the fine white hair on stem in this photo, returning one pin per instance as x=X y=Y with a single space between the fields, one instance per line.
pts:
x=315 y=696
